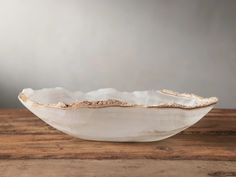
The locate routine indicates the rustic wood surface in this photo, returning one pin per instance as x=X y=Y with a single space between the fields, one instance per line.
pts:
x=116 y=168
x=24 y=136
x=29 y=147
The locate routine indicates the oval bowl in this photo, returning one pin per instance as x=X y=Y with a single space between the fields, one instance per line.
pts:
x=111 y=115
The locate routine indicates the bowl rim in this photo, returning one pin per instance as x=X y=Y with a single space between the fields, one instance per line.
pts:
x=205 y=102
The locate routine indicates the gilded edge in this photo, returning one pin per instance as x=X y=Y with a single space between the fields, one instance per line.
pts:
x=116 y=103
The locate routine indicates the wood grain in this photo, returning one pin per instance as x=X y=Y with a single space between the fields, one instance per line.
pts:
x=24 y=136
x=116 y=168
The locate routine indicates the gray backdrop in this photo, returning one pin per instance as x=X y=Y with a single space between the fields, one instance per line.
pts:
x=183 y=45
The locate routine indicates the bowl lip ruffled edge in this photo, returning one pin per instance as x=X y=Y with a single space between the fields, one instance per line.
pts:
x=206 y=102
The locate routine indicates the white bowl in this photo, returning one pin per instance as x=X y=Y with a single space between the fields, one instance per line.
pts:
x=110 y=115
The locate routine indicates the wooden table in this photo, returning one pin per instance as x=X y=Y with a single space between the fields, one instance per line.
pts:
x=29 y=147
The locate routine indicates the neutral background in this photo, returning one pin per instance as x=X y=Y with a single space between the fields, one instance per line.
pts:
x=183 y=45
